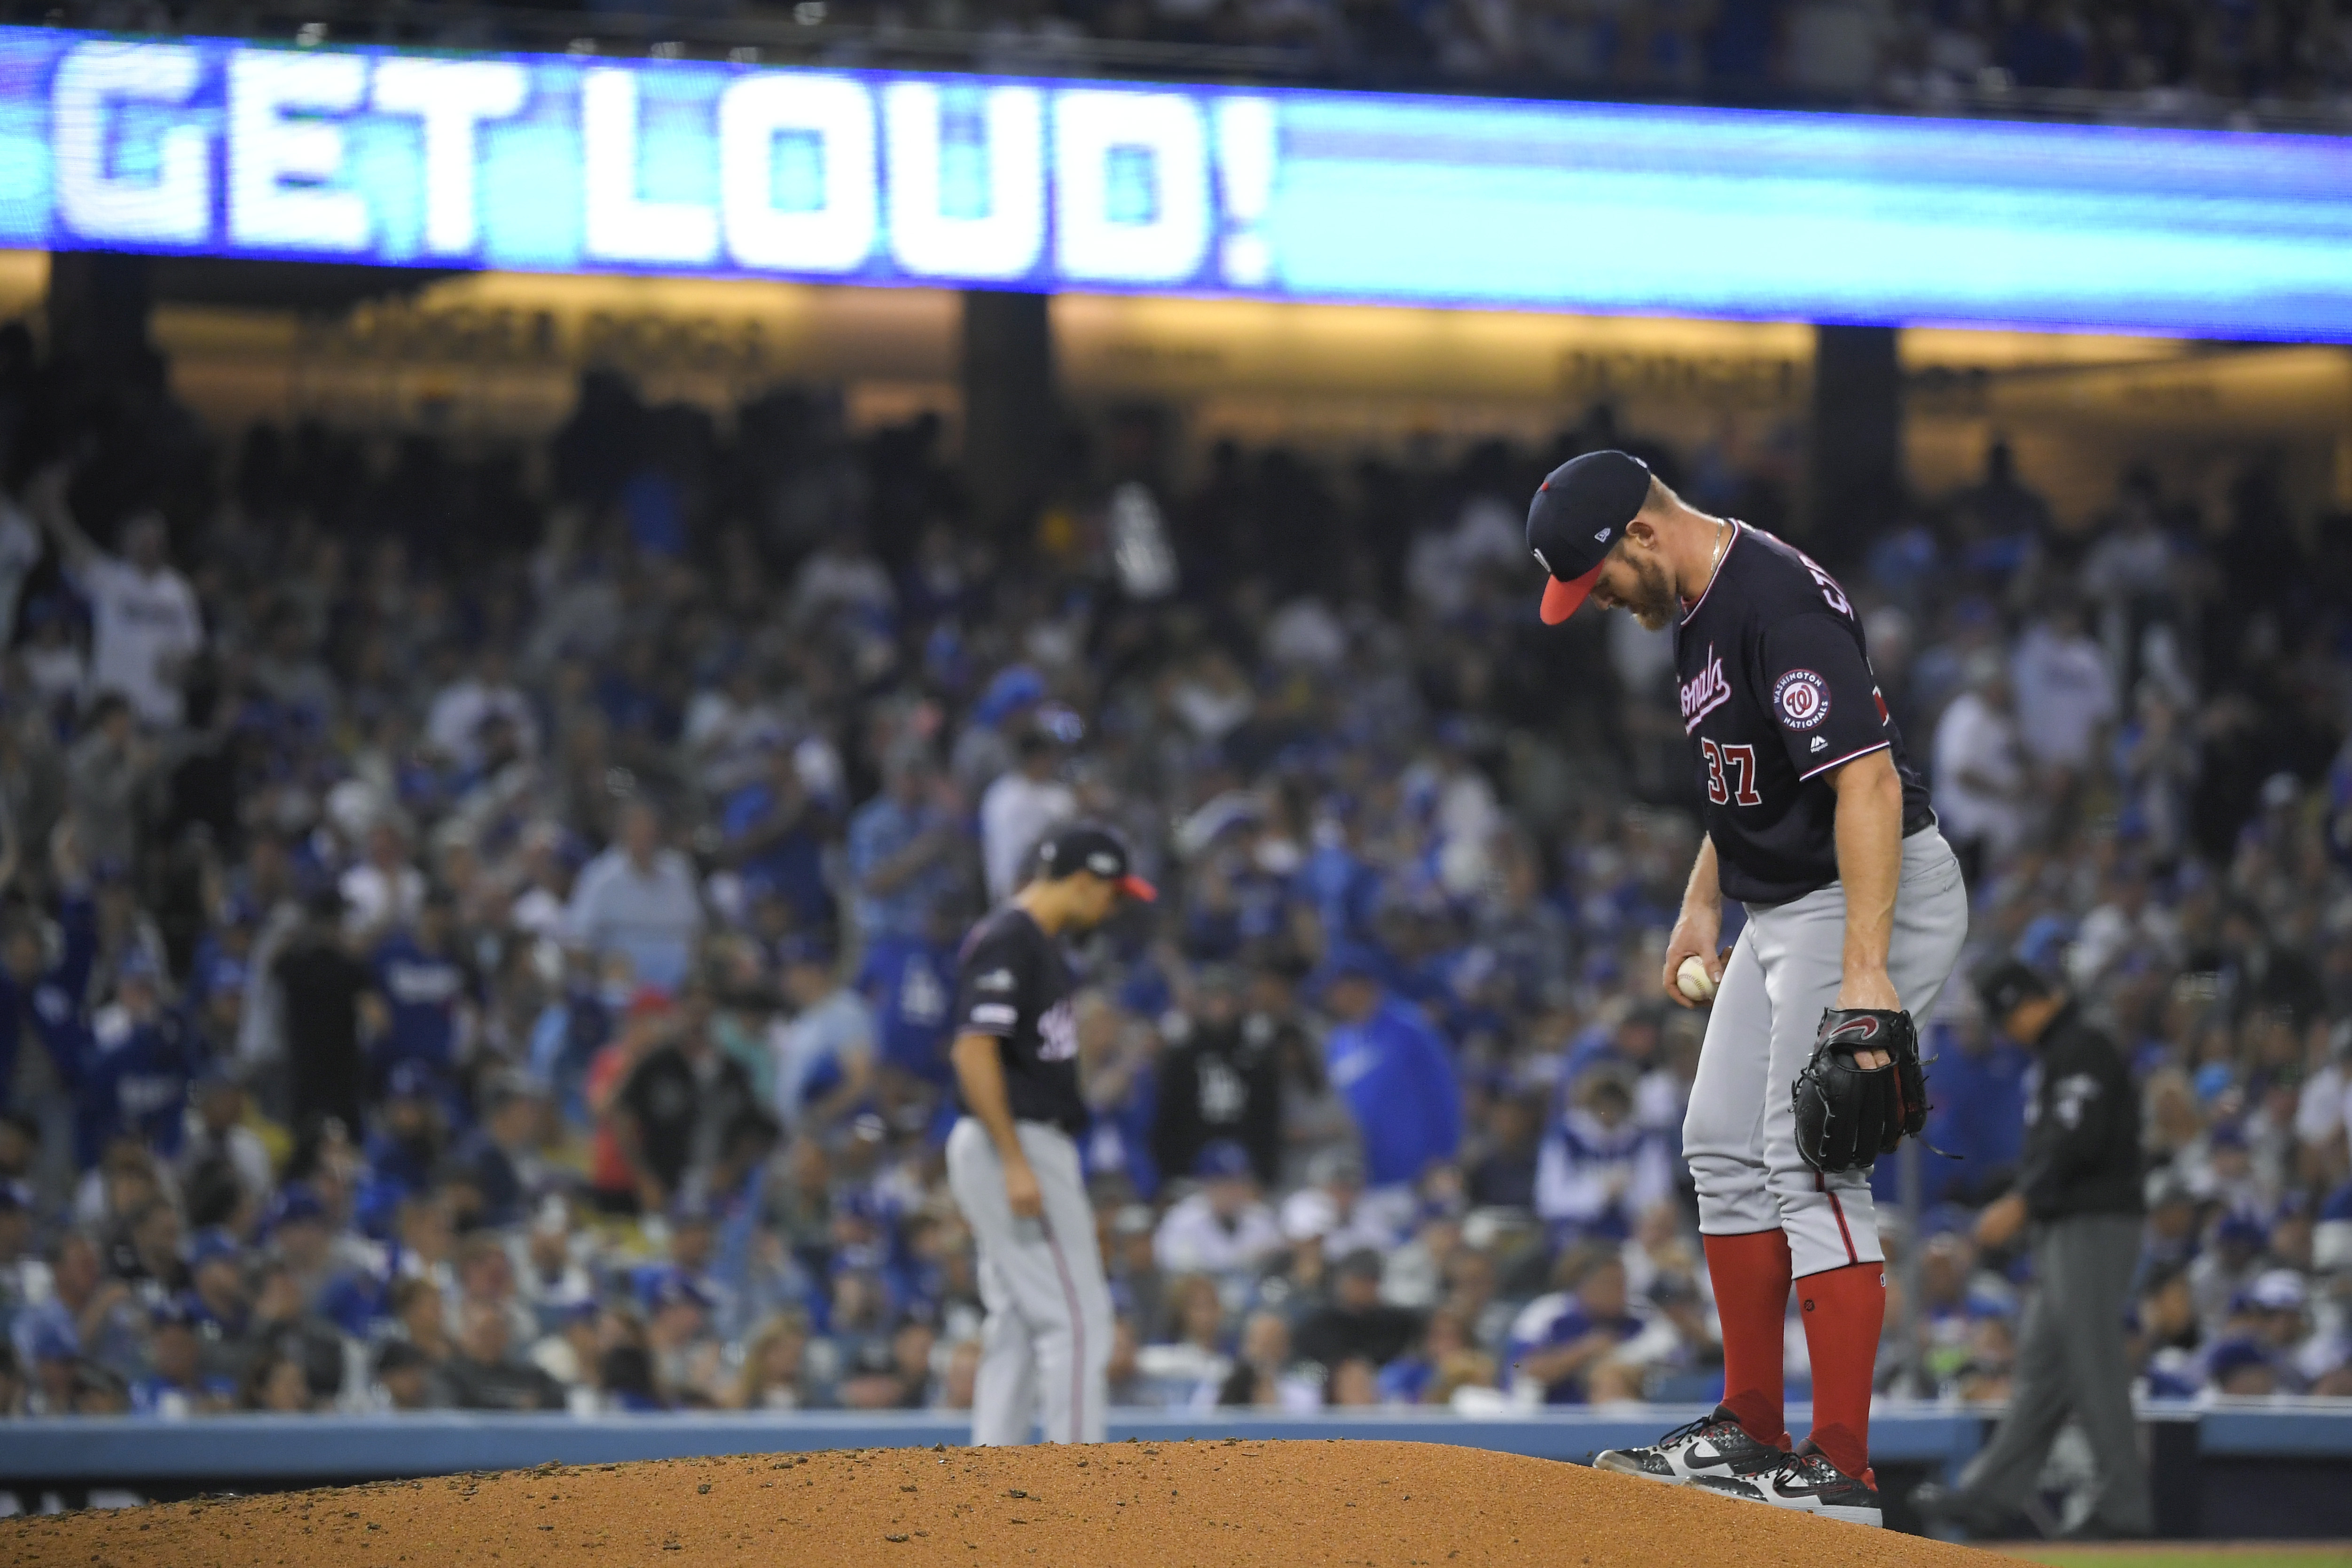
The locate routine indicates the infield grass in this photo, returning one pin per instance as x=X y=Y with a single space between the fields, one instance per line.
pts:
x=2196 y=1555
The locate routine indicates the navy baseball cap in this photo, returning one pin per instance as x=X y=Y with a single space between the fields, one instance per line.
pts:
x=1579 y=513
x=1095 y=849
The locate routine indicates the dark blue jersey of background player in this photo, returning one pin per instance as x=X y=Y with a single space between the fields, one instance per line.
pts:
x=1777 y=691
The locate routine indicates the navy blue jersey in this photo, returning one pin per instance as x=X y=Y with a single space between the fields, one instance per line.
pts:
x=1013 y=981
x=1777 y=691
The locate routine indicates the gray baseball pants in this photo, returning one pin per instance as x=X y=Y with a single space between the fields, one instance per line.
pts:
x=1739 y=1134
x=1045 y=1344
x=2071 y=1361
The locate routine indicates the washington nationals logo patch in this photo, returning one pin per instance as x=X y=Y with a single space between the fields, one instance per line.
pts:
x=1802 y=698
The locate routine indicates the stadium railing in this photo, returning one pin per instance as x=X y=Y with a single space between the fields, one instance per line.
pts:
x=2203 y=1454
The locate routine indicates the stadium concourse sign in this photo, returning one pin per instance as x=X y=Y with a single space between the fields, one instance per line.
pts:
x=571 y=163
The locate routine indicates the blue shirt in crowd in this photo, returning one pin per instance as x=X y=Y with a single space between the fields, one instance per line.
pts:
x=53 y=1001
x=910 y=983
x=421 y=991
x=1398 y=1080
x=791 y=866
x=134 y=1077
x=881 y=831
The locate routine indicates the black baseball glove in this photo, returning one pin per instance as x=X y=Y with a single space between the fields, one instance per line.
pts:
x=1847 y=1116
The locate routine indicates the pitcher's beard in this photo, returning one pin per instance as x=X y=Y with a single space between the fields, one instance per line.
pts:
x=1652 y=601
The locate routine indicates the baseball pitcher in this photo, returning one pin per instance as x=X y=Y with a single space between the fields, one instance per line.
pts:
x=1855 y=916
x=1013 y=1157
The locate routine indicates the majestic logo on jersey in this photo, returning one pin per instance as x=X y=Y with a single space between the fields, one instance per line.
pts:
x=1802 y=698
x=1706 y=691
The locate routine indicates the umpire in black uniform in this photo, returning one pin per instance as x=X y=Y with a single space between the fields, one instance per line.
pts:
x=2078 y=1187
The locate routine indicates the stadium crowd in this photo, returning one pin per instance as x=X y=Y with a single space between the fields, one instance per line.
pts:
x=2170 y=58
x=478 y=923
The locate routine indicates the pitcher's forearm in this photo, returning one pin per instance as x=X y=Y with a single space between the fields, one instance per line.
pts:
x=1869 y=859
x=979 y=1072
x=1704 y=889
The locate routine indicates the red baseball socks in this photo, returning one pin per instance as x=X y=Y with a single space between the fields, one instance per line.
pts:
x=1844 y=1310
x=1750 y=1274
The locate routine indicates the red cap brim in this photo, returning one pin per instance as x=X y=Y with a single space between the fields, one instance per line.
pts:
x=1136 y=887
x=1561 y=599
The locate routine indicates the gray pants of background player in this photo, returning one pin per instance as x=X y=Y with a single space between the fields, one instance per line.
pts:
x=1046 y=1341
x=2071 y=1361
x=1741 y=1133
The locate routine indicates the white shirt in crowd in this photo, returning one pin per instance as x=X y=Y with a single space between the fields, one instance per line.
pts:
x=141 y=621
x=838 y=1029
x=1976 y=739
x=653 y=915
x=1014 y=814
x=2064 y=696
x=377 y=899
x=1192 y=1239
x=839 y=575
x=455 y=724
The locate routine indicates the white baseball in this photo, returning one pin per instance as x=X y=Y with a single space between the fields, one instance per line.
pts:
x=1693 y=980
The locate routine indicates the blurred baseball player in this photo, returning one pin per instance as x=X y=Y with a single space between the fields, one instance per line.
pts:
x=1856 y=912
x=1012 y=1158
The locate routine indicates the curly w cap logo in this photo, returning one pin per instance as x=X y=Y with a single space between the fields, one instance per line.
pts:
x=1802 y=698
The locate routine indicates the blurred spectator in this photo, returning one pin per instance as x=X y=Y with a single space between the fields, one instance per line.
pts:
x=486 y=1375
x=175 y=1389
x=1355 y=1325
x=1222 y=1228
x=1597 y=1168
x=1017 y=810
x=2064 y=694
x=774 y=1374
x=1979 y=768
x=1559 y=1342
x=1218 y=1080
x=145 y=626
x=406 y=1377
x=1447 y=1358
x=1264 y=1373
x=904 y=849
x=321 y=981
x=639 y=900
x=672 y=1114
x=824 y=1055
x=1392 y=1070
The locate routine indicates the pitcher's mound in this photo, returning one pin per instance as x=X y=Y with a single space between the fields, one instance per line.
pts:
x=1121 y=1505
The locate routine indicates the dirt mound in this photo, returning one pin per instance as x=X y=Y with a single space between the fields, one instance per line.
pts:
x=1121 y=1505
